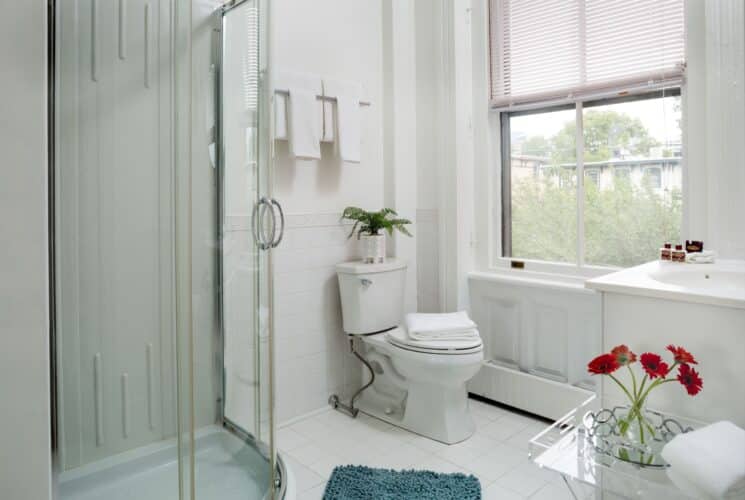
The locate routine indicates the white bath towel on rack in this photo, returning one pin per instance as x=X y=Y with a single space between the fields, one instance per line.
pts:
x=303 y=113
x=347 y=118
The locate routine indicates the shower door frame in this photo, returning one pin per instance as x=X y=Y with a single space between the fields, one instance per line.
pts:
x=278 y=478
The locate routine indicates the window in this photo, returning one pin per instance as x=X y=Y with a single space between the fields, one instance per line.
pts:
x=626 y=212
x=621 y=174
x=592 y=175
x=599 y=104
x=653 y=177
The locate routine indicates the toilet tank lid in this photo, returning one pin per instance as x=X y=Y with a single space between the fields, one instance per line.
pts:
x=359 y=267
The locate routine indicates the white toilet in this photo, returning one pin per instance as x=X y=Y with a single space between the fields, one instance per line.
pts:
x=419 y=387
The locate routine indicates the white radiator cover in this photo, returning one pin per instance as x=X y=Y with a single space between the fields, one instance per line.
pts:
x=538 y=337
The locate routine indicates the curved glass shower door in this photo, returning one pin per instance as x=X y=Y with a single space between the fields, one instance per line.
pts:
x=162 y=275
x=250 y=226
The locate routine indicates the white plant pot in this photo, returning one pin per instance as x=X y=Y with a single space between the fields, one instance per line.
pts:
x=372 y=248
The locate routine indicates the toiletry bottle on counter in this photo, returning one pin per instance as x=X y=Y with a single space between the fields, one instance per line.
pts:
x=678 y=255
x=666 y=252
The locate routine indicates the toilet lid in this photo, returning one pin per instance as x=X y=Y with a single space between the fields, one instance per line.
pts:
x=400 y=338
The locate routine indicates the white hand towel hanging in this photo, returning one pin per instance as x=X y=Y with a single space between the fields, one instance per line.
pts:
x=280 y=117
x=304 y=113
x=347 y=132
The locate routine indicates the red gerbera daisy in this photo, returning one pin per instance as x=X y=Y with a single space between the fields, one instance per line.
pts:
x=653 y=365
x=603 y=364
x=690 y=379
x=623 y=355
x=681 y=355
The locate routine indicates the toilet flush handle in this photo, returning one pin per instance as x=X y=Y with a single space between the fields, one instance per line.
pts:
x=365 y=282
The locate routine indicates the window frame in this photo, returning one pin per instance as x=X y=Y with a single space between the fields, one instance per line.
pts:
x=503 y=257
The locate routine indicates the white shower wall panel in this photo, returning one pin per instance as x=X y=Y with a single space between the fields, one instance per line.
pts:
x=115 y=229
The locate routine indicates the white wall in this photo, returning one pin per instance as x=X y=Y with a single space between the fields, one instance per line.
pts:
x=341 y=39
x=372 y=42
x=335 y=39
x=25 y=468
x=715 y=126
x=429 y=161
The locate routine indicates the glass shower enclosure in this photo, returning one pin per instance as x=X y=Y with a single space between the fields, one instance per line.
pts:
x=163 y=233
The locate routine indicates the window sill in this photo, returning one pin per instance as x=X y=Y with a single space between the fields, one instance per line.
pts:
x=546 y=272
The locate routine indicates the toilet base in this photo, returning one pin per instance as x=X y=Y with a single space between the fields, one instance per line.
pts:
x=433 y=411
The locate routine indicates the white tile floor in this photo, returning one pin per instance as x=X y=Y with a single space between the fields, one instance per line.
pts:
x=496 y=453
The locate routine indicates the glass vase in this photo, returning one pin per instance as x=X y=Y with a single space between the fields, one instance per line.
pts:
x=637 y=435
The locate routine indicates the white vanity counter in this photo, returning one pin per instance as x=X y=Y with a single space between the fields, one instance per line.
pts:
x=719 y=284
x=698 y=306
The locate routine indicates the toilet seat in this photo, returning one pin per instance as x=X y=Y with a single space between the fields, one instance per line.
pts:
x=400 y=339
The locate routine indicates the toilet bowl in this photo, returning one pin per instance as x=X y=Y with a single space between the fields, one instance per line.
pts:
x=418 y=385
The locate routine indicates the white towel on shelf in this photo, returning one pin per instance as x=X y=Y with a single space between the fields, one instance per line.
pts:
x=347 y=131
x=702 y=257
x=441 y=326
x=301 y=112
x=709 y=461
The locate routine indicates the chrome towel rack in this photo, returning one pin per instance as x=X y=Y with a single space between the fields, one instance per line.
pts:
x=286 y=92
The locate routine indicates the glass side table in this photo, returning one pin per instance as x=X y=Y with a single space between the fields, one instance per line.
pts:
x=590 y=474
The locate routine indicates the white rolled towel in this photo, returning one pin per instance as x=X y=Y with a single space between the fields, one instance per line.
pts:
x=703 y=257
x=710 y=462
x=440 y=326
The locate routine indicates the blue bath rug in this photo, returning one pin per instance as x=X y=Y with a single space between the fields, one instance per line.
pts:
x=356 y=482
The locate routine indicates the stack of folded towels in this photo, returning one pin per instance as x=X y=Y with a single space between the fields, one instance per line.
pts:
x=449 y=326
x=708 y=462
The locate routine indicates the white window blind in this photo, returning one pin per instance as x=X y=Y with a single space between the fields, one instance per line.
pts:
x=553 y=49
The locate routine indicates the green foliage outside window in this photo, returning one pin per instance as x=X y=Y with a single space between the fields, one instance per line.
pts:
x=625 y=224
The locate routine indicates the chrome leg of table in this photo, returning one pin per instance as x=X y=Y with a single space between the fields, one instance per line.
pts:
x=569 y=487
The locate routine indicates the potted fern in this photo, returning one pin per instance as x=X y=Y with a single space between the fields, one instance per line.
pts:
x=370 y=228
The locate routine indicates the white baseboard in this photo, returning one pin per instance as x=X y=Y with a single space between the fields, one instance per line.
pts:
x=537 y=395
x=297 y=419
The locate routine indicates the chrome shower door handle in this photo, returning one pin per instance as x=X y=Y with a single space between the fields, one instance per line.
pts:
x=279 y=234
x=257 y=223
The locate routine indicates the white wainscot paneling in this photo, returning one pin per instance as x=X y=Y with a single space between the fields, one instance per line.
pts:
x=538 y=337
x=312 y=354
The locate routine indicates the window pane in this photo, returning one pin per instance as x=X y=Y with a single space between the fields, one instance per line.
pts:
x=633 y=203
x=543 y=186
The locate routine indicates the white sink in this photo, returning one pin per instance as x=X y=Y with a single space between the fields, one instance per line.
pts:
x=721 y=283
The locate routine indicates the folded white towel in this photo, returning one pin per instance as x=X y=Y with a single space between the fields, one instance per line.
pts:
x=703 y=257
x=348 y=117
x=709 y=461
x=441 y=326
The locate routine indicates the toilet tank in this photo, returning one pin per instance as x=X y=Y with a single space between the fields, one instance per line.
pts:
x=372 y=295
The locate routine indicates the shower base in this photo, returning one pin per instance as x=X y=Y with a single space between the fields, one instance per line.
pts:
x=226 y=469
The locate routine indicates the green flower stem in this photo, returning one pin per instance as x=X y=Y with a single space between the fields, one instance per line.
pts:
x=657 y=382
x=623 y=388
x=641 y=387
x=633 y=380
